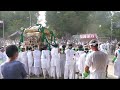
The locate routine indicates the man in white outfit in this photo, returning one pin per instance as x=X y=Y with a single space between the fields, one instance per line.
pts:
x=78 y=54
x=3 y=59
x=82 y=59
x=3 y=56
x=23 y=59
x=45 y=61
x=37 y=61
x=108 y=47
x=103 y=48
x=62 y=59
x=117 y=61
x=69 y=72
x=96 y=62
x=30 y=60
x=55 y=62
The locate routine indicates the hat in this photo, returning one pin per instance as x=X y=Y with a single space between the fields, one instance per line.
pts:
x=93 y=42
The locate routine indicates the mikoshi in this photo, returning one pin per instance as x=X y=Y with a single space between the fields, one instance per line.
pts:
x=37 y=35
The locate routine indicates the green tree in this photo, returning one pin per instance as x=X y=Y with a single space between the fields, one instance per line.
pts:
x=116 y=25
x=67 y=22
x=14 y=20
x=77 y=22
x=100 y=23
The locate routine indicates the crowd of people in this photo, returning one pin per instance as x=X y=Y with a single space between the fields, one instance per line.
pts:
x=62 y=62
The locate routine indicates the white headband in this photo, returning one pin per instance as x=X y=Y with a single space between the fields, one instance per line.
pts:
x=93 y=44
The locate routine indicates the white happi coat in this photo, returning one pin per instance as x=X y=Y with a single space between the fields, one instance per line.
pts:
x=69 y=56
x=103 y=48
x=45 y=59
x=78 y=54
x=108 y=47
x=30 y=58
x=55 y=63
x=97 y=62
x=81 y=62
x=55 y=60
x=3 y=57
x=1 y=76
x=37 y=57
x=117 y=63
x=23 y=59
x=69 y=64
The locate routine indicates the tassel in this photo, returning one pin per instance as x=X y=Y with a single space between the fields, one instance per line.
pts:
x=85 y=74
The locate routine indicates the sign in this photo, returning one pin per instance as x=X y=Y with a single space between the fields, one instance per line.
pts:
x=88 y=36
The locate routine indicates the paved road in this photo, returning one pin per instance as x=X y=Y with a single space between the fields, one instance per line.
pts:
x=111 y=69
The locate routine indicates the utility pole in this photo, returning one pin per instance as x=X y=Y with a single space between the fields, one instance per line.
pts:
x=111 y=28
x=30 y=18
x=2 y=22
x=112 y=13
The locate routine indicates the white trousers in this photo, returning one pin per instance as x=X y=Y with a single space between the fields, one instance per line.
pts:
x=37 y=71
x=117 y=68
x=98 y=75
x=31 y=70
x=55 y=71
x=45 y=72
x=26 y=68
x=69 y=72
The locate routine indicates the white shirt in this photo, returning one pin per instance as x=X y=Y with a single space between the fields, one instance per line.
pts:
x=36 y=54
x=45 y=59
x=23 y=57
x=69 y=55
x=30 y=58
x=29 y=55
x=78 y=54
x=54 y=53
x=37 y=57
x=45 y=54
x=81 y=63
x=97 y=62
x=3 y=56
x=108 y=46
x=103 y=48
x=55 y=60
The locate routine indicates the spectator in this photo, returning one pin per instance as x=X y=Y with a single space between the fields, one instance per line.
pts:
x=13 y=69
